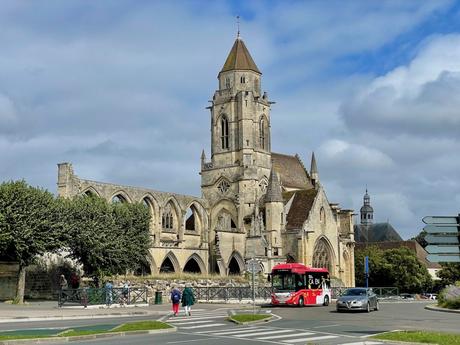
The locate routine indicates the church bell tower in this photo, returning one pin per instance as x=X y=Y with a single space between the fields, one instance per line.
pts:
x=240 y=163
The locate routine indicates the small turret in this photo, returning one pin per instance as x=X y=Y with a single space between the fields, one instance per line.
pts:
x=203 y=158
x=367 y=212
x=314 y=170
x=273 y=189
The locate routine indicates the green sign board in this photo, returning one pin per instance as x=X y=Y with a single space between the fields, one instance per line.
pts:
x=443 y=258
x=440 y=220
x=432 y=249
x=439 y=229
x=442 y=239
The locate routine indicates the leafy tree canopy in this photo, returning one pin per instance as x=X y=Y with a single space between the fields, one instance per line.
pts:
x=107 y=238
x=29 y=222
x=392 y=267
x=450 y=273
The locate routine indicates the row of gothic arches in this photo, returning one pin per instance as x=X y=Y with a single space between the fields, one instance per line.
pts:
x=170 y=212
x=194 y=264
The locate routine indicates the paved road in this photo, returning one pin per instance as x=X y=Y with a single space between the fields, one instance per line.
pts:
x=312 y=325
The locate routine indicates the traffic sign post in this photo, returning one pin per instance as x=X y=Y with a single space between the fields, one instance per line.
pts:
x=443 y=238
x=253 y=266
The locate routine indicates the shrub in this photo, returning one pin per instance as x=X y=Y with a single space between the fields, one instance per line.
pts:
x=450 y=297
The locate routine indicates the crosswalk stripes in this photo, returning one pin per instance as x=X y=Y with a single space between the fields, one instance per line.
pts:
x=199 y=320
x=279 y=335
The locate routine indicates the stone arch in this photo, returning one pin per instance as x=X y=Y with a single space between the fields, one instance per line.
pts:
x=194 y=219
x=170 y=264
x=263 y=132
x=90 y=191
x=120 y=196
x=170 y=215
x=224 y=206
x=150 y=202
x=194 y=264
x=235 y=264
x=223 y=131
x=323 y=255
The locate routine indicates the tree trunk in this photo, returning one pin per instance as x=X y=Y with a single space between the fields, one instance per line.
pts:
x=21 y=285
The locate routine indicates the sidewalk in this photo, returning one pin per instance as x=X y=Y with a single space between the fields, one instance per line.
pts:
x=48 y=310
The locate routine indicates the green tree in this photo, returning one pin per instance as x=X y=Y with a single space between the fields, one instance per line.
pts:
x=407 y=272
x=30 y=225
x=106 y=238
x=392 y=267
x=450 y=273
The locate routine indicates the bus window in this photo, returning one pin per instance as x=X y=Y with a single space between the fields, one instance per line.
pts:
x=299 y=282
x=284 y=281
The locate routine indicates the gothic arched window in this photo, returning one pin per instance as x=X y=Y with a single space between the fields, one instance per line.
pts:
x=167 y=219
x=224 y=132
x=322 y=255
x=263 y=131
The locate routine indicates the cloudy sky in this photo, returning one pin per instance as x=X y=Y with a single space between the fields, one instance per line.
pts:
x=119 y=88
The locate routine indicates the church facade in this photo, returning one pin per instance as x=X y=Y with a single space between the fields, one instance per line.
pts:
x=255 y=204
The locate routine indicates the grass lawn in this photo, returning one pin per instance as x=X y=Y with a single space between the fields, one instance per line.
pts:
x=422 y=337
x=126 y=327
x=249 y=317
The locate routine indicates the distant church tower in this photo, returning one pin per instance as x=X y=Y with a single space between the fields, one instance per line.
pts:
x=367 y=212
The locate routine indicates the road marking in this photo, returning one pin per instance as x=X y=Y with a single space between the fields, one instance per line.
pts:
x=292 y=341
x=180 y=323
x=194 y=318
x=263 y=333
x=240 y=331
x=286 y=335
x=362 y=343
x=203 y=326
x=231 y=331
x=327 y=326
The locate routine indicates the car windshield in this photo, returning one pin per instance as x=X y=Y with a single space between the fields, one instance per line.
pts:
x=354 y=292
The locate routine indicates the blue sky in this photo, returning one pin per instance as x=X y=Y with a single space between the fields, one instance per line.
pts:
x=119 y=88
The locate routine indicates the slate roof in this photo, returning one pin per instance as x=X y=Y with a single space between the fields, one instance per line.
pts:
x=239 y=58
x=300 y=207
x=378 y=232
x=291 y=171
x=273 y=189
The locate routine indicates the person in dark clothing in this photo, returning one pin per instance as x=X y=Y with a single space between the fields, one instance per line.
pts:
x=188 y=299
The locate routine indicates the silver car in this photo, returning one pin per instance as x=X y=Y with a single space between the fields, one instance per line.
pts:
x=358 y=299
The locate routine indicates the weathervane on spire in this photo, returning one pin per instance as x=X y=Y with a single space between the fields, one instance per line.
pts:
x=238 y=25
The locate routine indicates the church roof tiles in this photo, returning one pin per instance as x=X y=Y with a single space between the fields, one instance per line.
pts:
x=239 y=58
x=300 y=207
x=291 y=171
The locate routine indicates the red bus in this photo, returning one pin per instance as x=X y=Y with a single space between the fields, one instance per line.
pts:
x=297 y=284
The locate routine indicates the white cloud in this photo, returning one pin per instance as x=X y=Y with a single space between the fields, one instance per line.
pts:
x=420 y=98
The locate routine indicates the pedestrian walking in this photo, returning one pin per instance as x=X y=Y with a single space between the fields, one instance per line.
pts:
x=125 y=292
x=63 y=282
x=175 y=300
x=108 y=293
x=188 y=299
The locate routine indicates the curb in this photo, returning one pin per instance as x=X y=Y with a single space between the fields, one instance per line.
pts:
x=401 y=342
x=80 y=317
x=434 y=307
x=84 y=337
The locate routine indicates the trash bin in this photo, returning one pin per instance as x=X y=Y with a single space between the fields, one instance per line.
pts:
x=158 y=297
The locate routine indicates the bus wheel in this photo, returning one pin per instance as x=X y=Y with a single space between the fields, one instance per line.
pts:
x=326 y=301
x=301 y=303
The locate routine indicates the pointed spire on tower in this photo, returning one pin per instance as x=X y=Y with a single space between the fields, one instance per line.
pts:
x=314 y=169
x=274 y=188
x=239 y=58
x=203 y=155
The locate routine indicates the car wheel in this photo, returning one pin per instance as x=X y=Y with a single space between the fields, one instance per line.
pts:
x=301 y=302
x=377 y=307
x=326 y=300
x=368 y=308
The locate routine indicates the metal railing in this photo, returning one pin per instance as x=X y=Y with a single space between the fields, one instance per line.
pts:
x=231 y=293
x=262 y=292
x=97 y=296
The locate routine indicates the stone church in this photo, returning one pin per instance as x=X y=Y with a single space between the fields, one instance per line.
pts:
x=254 y=204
